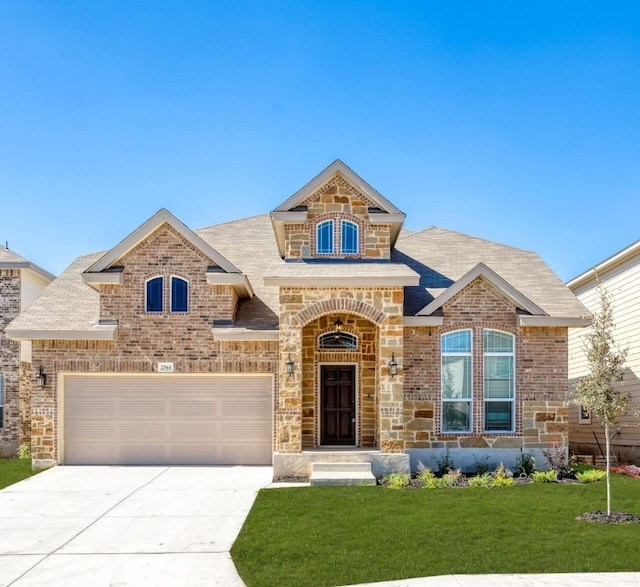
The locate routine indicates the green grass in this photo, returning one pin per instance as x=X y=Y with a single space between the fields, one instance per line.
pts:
x=14 y=470
x=316 y=536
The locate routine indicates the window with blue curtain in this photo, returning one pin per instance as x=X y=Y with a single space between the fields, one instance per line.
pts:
x=154 y=295
x=179 y=295
x=349 y=238
x=324 y=238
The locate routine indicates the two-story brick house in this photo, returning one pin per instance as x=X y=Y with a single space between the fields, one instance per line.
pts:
x=320 y=331
x=20 y=283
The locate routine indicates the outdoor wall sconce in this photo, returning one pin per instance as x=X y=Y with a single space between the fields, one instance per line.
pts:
x=338 y=324
x=289 y=364
x=41 y=377
x=393 y=365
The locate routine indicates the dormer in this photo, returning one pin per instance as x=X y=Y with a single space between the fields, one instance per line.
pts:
x=337 y=215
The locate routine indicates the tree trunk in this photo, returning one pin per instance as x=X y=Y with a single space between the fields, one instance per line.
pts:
x=608 y=464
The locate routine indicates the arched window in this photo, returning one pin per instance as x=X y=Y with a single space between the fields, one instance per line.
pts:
x=338 y=340
x=457 y=381
x=179 y=295
x=349 y=238
x=499 y=381
x=324 y=238
x=153 y=295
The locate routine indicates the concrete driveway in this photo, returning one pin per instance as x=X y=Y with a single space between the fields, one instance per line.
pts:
x=125 y=526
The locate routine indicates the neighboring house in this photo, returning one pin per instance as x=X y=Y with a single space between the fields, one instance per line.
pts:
x=620 y=275
x=321 y=331
x=20 y=283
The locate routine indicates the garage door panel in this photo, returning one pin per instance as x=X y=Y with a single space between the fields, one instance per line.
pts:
x=110 y=419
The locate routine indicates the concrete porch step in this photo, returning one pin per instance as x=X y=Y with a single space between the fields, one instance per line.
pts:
x=341 y=474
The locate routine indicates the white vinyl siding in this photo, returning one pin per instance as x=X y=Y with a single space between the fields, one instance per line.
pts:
x=167 y=419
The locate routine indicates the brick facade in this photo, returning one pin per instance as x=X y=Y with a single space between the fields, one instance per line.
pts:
x=143 y=339
x=10 y=292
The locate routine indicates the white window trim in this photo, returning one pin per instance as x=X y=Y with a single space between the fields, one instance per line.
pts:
x=1 y=401
x=146 y=295
x=357 y=230
x=171 y=310
x=511 y=354
x=582 y=419
x=444 y=400
x=332 y=223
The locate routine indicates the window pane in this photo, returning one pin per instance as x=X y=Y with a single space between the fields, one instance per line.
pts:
x=342 y=340
x=497 y=342
x=349 y=237
x=498 y=416
x=1 y=400
x=456 y=416
x=154 y=295
x=457 y=342
x=456 y=377
x=179 y=291
x=324 y=243
x=498 y=376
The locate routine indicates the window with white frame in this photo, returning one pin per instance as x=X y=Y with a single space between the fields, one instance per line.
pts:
x=179 y=295
x=153 y=295
x=324 y=238
x=499 y=381
x=457 y=381
x=349 y=238
x=338 y=340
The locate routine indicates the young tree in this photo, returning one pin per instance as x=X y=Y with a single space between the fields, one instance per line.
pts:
x=598 y=391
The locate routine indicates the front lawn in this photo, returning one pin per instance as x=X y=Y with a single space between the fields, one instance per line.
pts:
x=14 y=470
x=314 y=536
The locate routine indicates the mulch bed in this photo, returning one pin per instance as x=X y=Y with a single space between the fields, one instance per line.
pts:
x=615 y=518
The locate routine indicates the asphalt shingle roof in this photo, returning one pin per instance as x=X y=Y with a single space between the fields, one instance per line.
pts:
x=440 y=257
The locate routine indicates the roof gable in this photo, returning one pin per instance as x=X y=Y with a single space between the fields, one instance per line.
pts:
x=158 y=219
x=481 y=270
x=376 y=207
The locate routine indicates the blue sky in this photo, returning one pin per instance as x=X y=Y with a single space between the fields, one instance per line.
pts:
x=512 y=121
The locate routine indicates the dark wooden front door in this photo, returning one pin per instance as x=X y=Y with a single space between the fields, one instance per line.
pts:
x=338 y=404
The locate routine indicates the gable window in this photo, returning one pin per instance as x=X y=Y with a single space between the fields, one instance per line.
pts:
x=154 y=295
x=499 y=381
x=324 y=238
x=457 y=384
x=179 y=295
x=349 y=238
x=338 y=340
x=1 y=401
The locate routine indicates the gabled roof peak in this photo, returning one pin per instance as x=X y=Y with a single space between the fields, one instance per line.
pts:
x=338 y=168
x=162 y=216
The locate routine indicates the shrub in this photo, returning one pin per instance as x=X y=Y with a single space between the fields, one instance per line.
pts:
x=545 y=476
x=453 y=478
x=481 y=464
x=591 y=475
x=482 y=480
x=24 y=451
x=444 y=464
x=525 y=464
x=429 y=480
x=502 y=477
x=396 y=480
x=556 y=459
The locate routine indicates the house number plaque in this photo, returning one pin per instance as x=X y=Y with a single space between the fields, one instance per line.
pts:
x=165 y=367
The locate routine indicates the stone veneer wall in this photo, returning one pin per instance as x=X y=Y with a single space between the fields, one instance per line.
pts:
x=299 y=307
x=541 y=377
x=339 y=200
x=365 y=359
x=10 y=292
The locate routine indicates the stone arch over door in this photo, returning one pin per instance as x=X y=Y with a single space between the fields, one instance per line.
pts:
x=338 y=306
x=315 y=361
